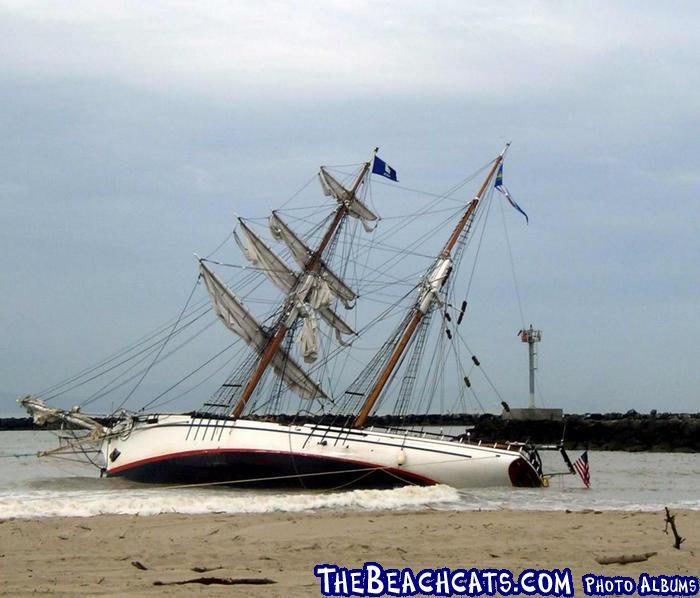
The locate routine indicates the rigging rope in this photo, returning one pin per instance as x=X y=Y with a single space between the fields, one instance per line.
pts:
x=102 y=393
x=155 y=359
x=349 y=252
x=512 y=266
x=181 y=380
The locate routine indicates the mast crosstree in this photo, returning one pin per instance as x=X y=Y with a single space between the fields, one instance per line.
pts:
x=434 y=281
x=302 y=288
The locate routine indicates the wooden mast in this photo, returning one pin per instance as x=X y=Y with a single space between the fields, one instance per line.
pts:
x=379 y=385
x=283 y=324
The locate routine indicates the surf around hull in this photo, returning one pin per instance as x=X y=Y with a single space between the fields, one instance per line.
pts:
x=180 y=449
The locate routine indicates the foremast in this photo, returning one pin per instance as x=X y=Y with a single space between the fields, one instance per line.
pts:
x=290 y=311
x=428 y=295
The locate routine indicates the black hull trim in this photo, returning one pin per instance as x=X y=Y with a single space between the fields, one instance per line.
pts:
x=261 y=469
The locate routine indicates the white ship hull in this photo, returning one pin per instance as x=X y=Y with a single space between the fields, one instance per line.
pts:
x=184 y=449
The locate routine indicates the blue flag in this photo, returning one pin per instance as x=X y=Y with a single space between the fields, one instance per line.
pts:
x=382 y=168
x=499 y=176
x=503 y=189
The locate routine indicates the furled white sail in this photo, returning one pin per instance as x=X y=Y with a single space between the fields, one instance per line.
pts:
x=333 y=319
x=295 y=377
x=238 y=319
x=301 y=254
x=356 y=208
x=319 y=298
x=314 y=289
x=260 y=255
x=307 y=339
x=231 y=310
x=320 y=295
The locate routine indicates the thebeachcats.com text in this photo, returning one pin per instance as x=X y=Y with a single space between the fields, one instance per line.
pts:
x=372 y=579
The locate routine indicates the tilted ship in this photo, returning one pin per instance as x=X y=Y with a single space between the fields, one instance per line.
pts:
x=237 y=436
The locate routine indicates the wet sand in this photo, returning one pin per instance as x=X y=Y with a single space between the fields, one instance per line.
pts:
x=95 y=556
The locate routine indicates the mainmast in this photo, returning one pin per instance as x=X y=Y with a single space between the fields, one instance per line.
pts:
x=434 y=282
x=291 y=310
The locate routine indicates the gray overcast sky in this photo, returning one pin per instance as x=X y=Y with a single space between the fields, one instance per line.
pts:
x=131 y=132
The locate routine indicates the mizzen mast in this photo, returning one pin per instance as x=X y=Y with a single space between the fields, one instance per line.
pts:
x=291 y=310
x=433 y=283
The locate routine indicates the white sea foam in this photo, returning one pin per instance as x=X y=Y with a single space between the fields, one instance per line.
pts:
x=31 y=488
x=155 y=501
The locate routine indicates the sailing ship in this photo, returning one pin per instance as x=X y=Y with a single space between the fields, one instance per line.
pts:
x=238 y=436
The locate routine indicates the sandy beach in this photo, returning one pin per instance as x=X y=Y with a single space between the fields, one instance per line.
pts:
x=113 y=555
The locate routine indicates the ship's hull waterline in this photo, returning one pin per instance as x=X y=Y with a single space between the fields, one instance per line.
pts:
x=181 y=449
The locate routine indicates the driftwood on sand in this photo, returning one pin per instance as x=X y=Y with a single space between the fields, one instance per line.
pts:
x=671 y=520
x=224 y=581
x=625 y=558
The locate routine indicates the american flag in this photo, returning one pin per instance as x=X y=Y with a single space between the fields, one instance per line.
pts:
x=581 y=467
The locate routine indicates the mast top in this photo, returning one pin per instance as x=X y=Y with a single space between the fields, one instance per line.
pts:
x=434 y=281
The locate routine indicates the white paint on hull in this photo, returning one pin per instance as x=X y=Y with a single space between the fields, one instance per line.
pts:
x=426 y=459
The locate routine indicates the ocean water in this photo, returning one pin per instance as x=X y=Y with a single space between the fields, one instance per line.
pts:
x=31 y=487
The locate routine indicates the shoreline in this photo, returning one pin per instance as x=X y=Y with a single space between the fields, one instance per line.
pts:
x=630 y=432
x=103 y=554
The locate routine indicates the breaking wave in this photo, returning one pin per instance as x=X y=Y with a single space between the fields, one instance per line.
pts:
x=37 y=504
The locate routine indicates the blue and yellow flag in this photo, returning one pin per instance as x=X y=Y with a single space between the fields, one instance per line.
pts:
x=503 y=189
x=499 y=176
